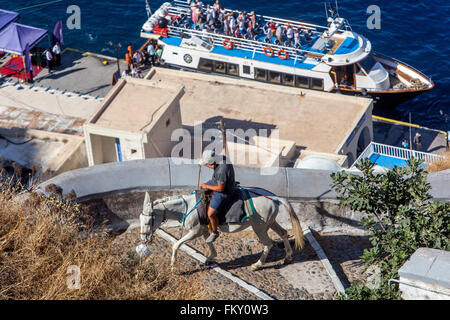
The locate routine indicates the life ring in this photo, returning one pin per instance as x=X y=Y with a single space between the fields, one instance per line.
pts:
x=270 y=53
x=227 y=44
x=282 y=54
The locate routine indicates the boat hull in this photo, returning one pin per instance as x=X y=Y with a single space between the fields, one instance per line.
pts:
x=384 y=99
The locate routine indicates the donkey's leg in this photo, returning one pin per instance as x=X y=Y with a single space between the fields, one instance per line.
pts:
x=284 y=235
x=189 y=236
x=212 y=249
x=261 y=232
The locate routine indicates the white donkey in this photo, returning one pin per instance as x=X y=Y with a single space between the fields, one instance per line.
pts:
x=183 y=209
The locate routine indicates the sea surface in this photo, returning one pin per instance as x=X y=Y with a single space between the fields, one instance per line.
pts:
x=415 y=32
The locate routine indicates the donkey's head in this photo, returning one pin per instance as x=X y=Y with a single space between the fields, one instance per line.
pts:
x=150 y=218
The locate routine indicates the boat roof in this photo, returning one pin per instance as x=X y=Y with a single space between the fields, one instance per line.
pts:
x=315 y=47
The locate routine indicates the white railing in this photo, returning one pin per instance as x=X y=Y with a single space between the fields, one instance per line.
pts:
x=241 y=43
x=395 y=152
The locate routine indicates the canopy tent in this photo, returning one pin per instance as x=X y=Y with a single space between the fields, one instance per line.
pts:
x=6 y=17
x=15 y=37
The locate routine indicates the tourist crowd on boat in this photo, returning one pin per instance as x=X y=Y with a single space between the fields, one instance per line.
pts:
x=216 y=19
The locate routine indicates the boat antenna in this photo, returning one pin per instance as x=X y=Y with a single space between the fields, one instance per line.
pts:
x=337 y=8
x=326 y=11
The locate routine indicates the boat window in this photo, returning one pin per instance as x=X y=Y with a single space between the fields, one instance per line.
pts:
x=260 y=74
x=233 y=69
x=301 y=82
x=246 y=69
x=205 y=64
x=288 y=79
x=316 y=84
x=367 y=63
x=274 y=77
x=220 y=67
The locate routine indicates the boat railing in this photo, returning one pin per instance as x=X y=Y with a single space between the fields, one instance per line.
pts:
x=395 y=152
x=241 y=43
x=238 y=43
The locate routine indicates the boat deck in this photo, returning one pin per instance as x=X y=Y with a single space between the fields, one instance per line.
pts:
x=313 y=46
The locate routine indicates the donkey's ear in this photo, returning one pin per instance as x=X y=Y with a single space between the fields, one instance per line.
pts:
x=147 y=200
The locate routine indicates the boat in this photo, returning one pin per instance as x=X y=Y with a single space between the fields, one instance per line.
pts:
x=330 y=58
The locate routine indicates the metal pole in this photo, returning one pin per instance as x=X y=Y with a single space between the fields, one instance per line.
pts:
x=200 y=166
x=410 y=141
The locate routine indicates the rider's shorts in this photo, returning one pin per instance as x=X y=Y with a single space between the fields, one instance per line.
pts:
x=217 y=199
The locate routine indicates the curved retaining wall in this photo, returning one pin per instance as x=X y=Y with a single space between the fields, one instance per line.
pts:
x=120 y=186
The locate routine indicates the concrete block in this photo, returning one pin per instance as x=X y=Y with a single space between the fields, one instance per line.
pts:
x=184 y=173
x=309 y=184
x=252 y=177
x=426 y=275
x=150 y=174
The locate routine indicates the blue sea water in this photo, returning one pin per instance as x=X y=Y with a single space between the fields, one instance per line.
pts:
x=415 y=32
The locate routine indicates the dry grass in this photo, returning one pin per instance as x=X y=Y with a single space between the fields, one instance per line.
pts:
x=40 y=238
x=440 y=165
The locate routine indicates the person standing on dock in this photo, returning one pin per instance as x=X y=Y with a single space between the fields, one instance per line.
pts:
x=57 y=53
x=128 y=60
x=49 y=59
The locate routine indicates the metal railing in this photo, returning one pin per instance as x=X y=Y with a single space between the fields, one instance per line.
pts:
x=240 y=43
x=395 y=152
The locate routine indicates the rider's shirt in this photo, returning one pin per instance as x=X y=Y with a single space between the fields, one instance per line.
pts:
x=224 y=174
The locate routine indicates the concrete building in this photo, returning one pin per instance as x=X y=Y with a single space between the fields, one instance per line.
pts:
x=316 y=122
x=135 y=121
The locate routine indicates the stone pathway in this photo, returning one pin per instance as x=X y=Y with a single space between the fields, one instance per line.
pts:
x=304 y=279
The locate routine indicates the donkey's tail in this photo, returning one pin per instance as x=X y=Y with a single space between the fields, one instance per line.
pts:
x=296 y=227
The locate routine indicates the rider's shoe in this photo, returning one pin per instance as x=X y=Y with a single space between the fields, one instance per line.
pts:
x=212 y=237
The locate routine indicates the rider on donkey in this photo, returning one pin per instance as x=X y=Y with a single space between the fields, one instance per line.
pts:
x=222 y=185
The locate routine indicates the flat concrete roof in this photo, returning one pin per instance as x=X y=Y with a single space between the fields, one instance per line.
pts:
x=314 y=120
x=134 y=105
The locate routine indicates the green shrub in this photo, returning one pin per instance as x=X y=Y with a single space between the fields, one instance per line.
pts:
x=402 y=217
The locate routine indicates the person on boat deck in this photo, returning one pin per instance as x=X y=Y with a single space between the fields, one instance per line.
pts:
x=242 y=25
x=250 y=31
x=217 y=6
x=222 y=185
x=226 y=25
x=232 y=24
x=199 y=4
x=272 y=27
x=290 y=34
x=279 y=33
x=209 y=15
x=405 y=143
x=57 y=53
x=237 y=34
x=194 y=15
x=253 y=19
x=297 y=38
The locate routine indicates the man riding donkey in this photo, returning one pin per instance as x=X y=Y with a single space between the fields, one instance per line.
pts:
x=221 y=185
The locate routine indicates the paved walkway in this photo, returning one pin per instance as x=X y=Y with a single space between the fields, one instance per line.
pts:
x=81 y=73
